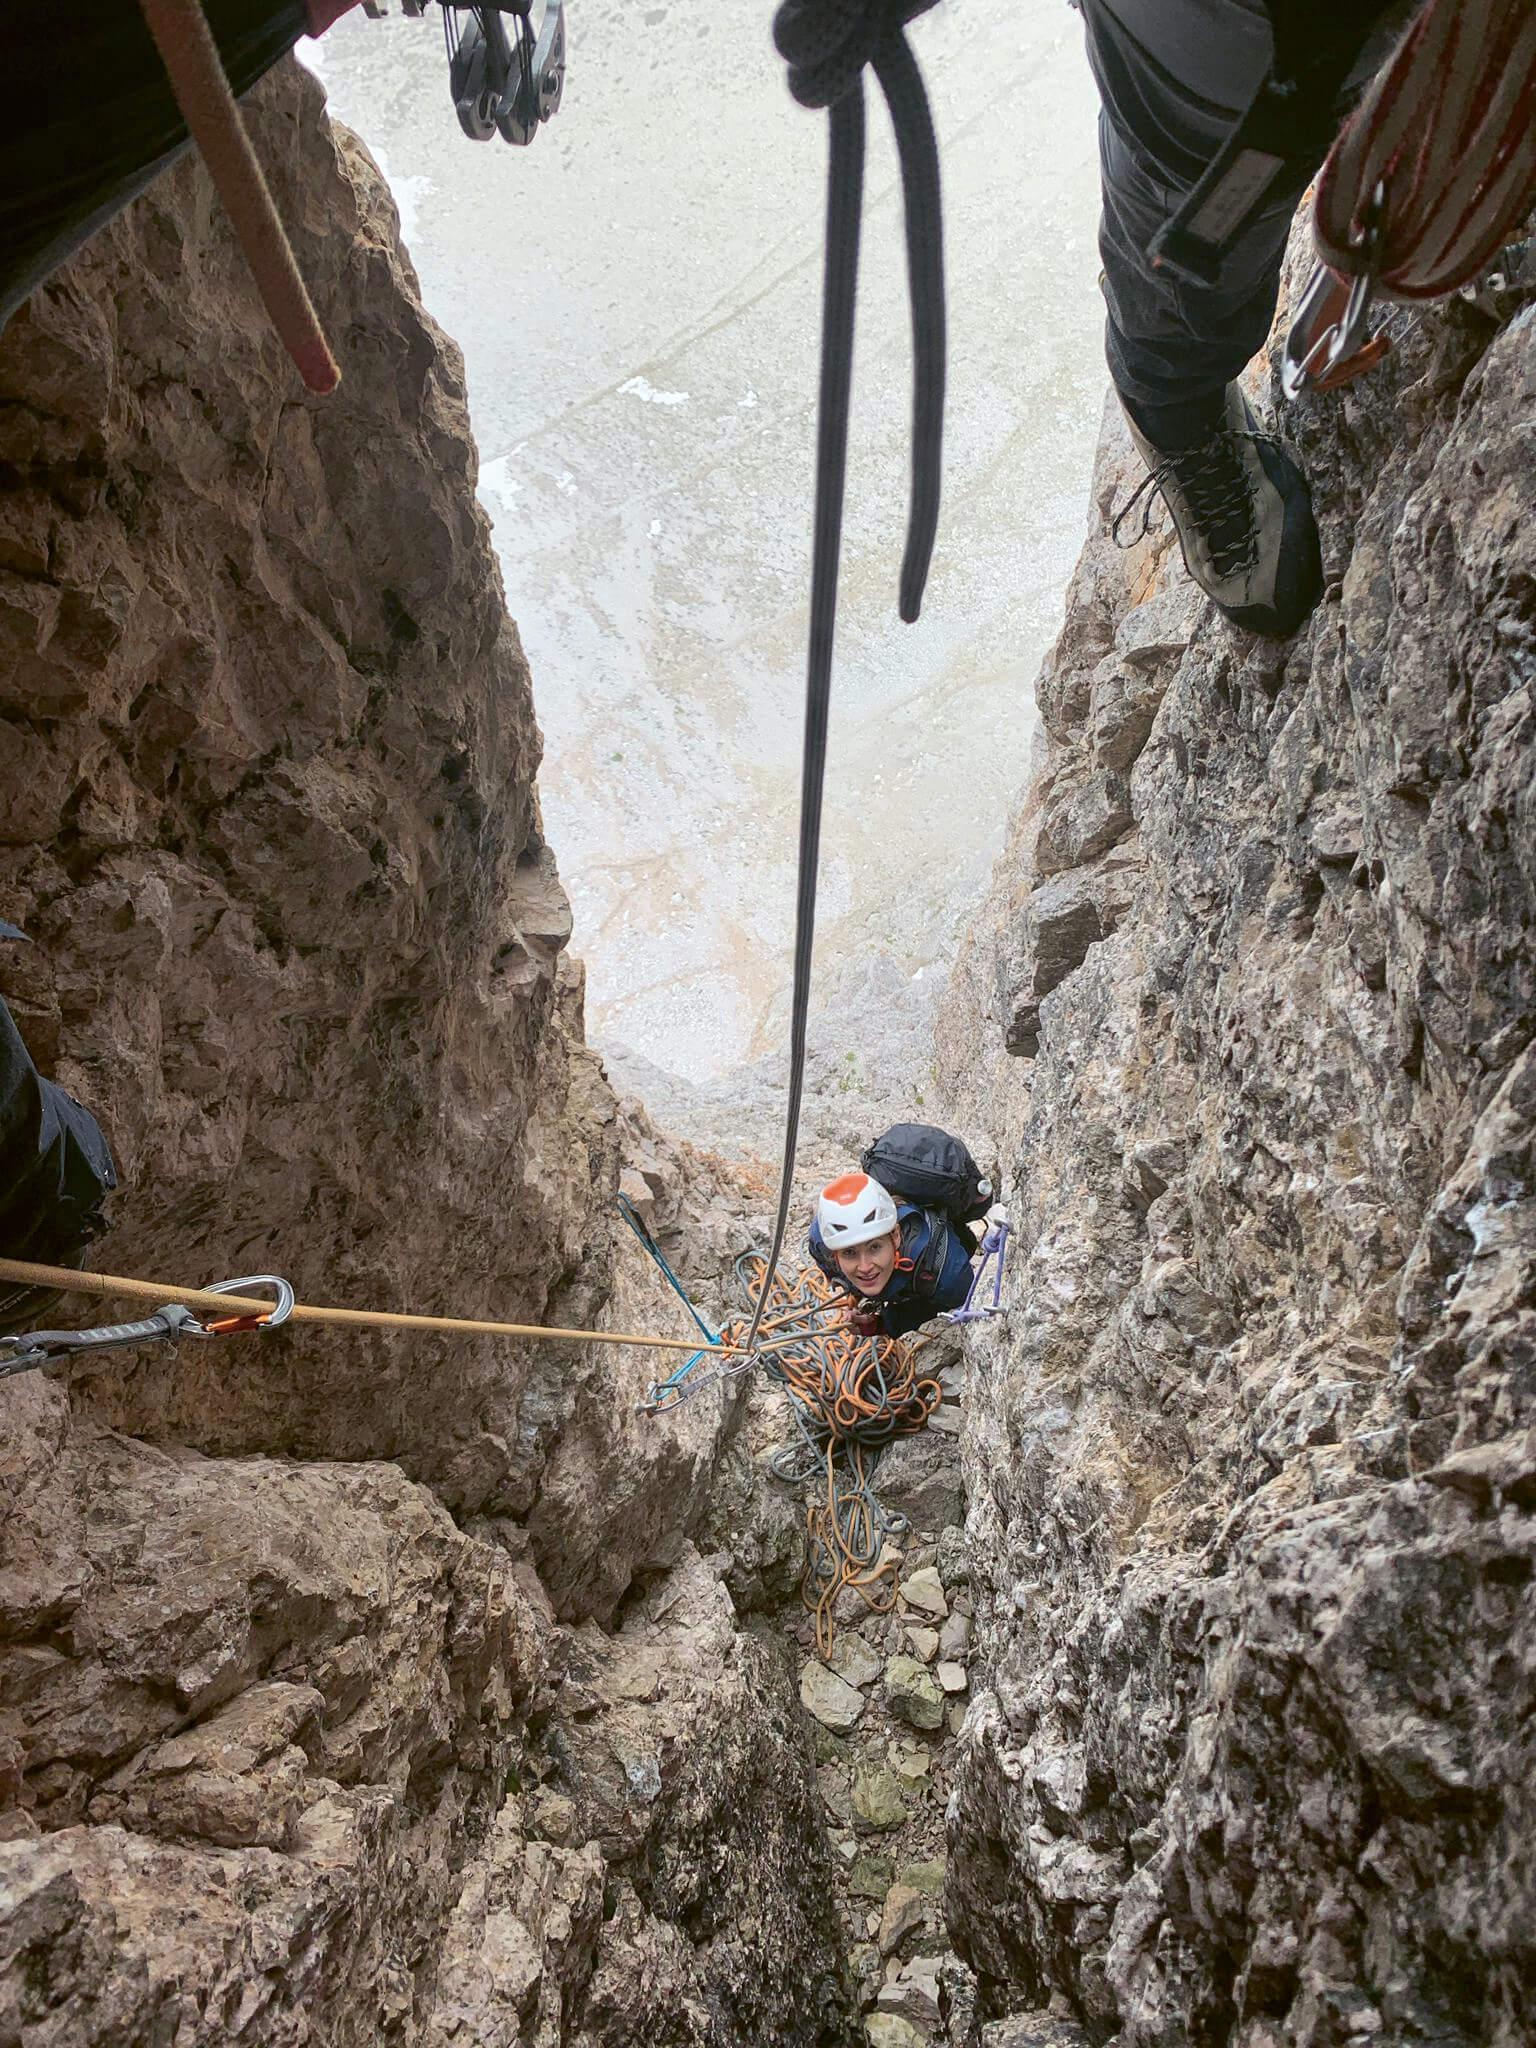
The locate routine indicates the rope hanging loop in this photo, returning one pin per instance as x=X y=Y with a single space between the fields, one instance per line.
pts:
x=849 y=1397
x=827 y=43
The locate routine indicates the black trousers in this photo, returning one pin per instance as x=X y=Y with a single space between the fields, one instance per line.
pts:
x=87 y=118
x=55 y=1166
x=1172 y=76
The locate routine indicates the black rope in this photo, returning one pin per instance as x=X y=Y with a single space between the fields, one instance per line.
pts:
x=918 y=149
x=827 y=44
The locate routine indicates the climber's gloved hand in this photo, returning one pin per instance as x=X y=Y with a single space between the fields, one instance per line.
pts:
x=863 y=1322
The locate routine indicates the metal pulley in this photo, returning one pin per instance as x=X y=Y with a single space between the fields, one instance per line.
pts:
x=505 y=78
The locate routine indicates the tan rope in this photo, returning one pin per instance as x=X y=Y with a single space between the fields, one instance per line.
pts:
x=65 y=1280
x=193 y=65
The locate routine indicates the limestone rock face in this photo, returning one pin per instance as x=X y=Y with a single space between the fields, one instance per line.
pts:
x=1252 y=1519
x=250 y=1709
x=688 y=1762
x=270 y=820
x=323 y=1706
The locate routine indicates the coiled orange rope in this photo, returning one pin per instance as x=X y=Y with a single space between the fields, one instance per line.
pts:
x=849 y=1397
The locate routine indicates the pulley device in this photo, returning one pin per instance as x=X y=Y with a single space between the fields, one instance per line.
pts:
x=505 y=78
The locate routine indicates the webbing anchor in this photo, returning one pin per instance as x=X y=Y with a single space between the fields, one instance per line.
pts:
x=34 y=1349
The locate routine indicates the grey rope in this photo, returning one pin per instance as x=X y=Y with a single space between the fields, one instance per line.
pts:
x=827 y=43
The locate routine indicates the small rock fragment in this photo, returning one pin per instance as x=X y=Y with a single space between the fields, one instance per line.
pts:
x=955 y=1637
x=914 y=1992
x=957 y=1717
x=924 y=1643
x=953 y=1568
x=903 y=1913
x=829 y=1748
x=853 y=1660
x=553 y=1817
x=1034 y=2030
x=947 y=1421
x=912 y=1693
x=877 y=1803
x=835 y=1703
x=925 y=1592
x=926 y=1877
x=890 y=2030
x=870 y=1878
x=950 y=1676
x=835 y=1795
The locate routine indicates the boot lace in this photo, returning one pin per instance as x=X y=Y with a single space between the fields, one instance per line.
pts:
x=1215 y=485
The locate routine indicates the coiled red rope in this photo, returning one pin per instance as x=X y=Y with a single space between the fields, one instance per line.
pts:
x=1440 y=155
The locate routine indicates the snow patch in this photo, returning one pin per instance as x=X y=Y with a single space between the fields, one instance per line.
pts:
x=643 y=389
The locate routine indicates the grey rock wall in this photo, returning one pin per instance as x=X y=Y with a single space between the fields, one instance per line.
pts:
x=1251 y=1463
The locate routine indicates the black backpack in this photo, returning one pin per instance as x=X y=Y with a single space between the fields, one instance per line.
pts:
x=929 y=1168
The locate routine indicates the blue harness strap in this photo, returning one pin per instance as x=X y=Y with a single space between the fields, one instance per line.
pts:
x=676 y=1381
x=627 y=1211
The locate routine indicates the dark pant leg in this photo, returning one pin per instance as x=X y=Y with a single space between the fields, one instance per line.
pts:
x=1170 y=93
x=1174 y=346
x=55 y=1166
x=88 y=118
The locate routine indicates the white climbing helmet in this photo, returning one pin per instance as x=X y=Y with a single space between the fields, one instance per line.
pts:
x=852 y=1211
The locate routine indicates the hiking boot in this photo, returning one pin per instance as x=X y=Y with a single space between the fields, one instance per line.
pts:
x=1244 y=520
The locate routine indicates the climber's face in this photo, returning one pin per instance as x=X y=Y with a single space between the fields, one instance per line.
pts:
x=868 y=1266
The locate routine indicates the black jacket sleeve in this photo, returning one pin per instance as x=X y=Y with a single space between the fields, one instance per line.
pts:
x=55 y=1166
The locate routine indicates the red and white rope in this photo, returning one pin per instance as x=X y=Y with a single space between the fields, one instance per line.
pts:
x=1447 y=134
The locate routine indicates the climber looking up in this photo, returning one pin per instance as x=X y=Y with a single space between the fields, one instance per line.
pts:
x=1174 y=77
x=902 y=1264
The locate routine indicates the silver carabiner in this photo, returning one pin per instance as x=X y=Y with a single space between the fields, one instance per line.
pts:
x=1322 y=336
x=282 y=1292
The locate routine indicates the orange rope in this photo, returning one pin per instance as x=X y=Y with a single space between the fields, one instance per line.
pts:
x=858 y=1392
x=196 y=71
